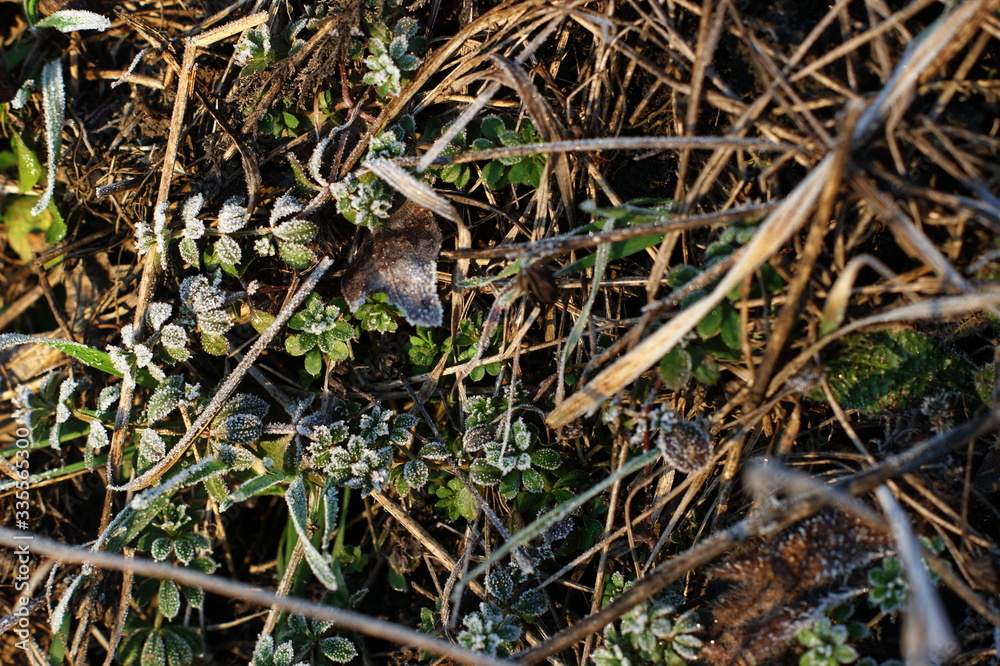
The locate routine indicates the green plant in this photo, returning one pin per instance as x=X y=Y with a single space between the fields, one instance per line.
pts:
x=365 y=199
x=718 y=335
x=827 y=644
x=391 y=56
x=496 y=626
x=303 y=643
x=323 y=336
x=889 y=589
x=650 y=633
x=492 y=132
x=874 y=372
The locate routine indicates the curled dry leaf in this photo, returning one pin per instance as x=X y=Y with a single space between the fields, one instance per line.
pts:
x=400 y=259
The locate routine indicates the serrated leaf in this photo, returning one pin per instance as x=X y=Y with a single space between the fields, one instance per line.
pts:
x=228 y=251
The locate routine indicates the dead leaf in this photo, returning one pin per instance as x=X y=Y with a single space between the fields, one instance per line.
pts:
x=400 y=259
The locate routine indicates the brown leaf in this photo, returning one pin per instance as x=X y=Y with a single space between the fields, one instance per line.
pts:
x=399 y=258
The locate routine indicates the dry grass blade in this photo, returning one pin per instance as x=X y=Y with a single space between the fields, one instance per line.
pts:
x=779 y=226
x=417 y=191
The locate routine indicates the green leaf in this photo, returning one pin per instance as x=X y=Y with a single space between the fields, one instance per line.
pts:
x=31 y=9
x=299 y=231
x=25 y=229
x=492 y=127
x=617 y=251
x=179 y=650
x=484 y=474
x=29 y=169
x=546 y=459
x=676 y=368
x=57 y=229
x=153 y=651
x=70 y=20
x=526 y=172
x=732 y=329
x=396 y=580
x=216 y=345
x=258 y=485
x=533 y=481
x=260 y=320
x=296 y=255
x=338 y=649
x=314 y=362
x=169 y=599
x=295 y=497
x=494 y=175
x=710 y=324
x=87 y=355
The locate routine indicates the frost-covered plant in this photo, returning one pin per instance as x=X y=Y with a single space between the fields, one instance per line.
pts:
x=166 y=645
x=510 y=456
x=512 y=461
x=48 y=409
x=356 y=451
x=302 y=636
x=323 y=335
x=490 y=630
x=889 y=588
x=154 y=236
x=391 y=56
x=231 y=228
x=253 y=51
x=496 y=626
x=206 y=302
x=290 y=235
x=365 y=200
x=827 y=643
x=240 y=422
x=173 y=538
x=651 y=634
